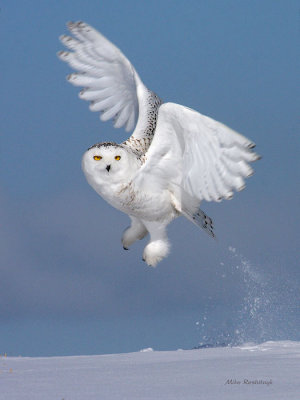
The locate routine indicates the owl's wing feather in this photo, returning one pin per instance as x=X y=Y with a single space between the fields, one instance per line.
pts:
x=196 y=157
x=110 y=81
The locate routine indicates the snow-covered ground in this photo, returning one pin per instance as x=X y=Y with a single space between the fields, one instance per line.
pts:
x=267 y=371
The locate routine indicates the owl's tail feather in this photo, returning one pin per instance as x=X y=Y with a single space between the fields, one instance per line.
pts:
x=200 y=219
x=188 y=206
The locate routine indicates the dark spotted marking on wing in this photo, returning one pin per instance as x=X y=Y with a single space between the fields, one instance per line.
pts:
x=141 y=145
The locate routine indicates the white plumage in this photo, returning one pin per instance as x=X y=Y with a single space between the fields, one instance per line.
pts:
x=175 y=157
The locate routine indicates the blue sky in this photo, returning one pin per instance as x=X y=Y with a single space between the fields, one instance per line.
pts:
x=67 y=286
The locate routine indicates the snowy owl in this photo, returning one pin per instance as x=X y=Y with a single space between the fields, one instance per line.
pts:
x=174 y=159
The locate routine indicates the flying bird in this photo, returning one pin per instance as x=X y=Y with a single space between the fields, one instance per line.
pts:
x=175 y=157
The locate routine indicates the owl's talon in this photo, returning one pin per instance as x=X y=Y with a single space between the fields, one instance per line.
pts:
x=155 y=251
x=125 y=248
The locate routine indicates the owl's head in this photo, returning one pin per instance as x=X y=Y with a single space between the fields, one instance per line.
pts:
x=107 y=162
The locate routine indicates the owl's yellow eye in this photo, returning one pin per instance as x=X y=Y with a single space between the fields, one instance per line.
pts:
x=97 y=158
x=118 y=158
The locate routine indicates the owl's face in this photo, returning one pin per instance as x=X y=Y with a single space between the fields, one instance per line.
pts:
x=107 y=163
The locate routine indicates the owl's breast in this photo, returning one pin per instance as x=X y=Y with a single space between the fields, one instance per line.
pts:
x=148 y=205
x=126 y=197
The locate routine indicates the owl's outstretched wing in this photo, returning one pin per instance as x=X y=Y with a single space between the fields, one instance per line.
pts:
x=196 y=157
x=110 y=81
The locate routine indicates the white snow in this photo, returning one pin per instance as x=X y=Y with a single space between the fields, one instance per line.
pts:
x=267 y=371
x=146 y=350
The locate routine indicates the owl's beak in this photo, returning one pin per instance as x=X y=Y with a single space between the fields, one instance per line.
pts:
x=107 y=168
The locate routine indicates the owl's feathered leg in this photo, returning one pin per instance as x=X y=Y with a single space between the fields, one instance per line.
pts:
x=158 y=246
x=136 y=231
